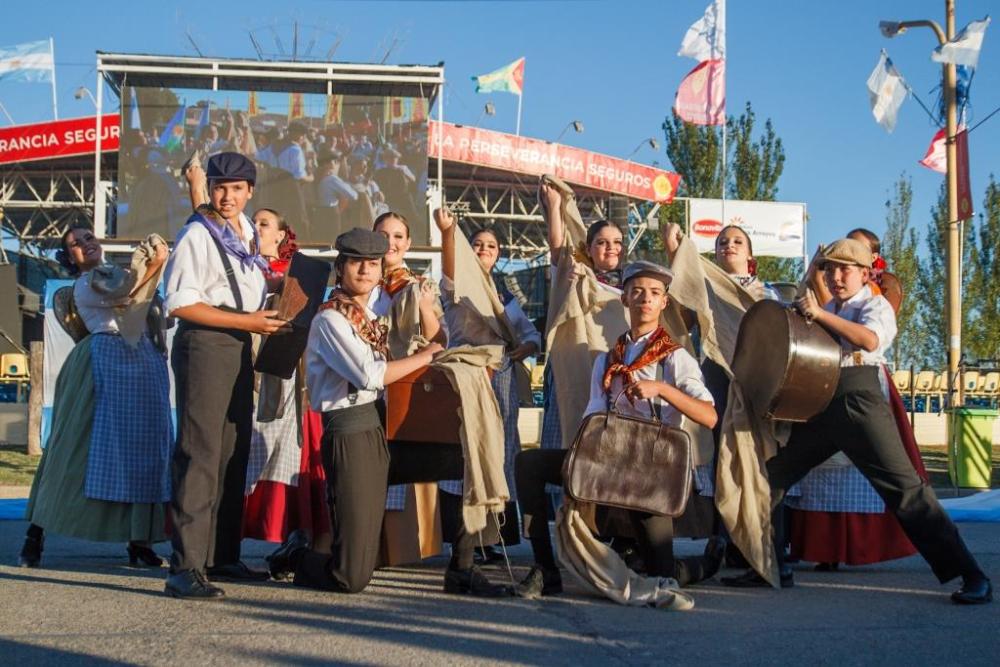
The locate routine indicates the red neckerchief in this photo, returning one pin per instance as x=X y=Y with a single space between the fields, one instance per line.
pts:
x=370 y=331
x=659 y=347
x=397 y=279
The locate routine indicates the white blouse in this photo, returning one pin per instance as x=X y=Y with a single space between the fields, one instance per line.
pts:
x=96 y=310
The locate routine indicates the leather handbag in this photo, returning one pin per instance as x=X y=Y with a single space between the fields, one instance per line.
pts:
x=635 y=463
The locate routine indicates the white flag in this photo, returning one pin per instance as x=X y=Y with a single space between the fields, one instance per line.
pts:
x=886 y=90
x=964 y=48
x=706 y=38
x=29 y=62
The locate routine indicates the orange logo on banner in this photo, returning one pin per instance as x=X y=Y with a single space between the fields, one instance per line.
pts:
x=663 y=189
x=707 y=228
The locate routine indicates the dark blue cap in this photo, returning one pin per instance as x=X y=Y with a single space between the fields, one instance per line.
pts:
x=231 y=167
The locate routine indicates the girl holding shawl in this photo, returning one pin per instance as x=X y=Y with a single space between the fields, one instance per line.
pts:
x=411 y=307
x=492 y=321
x=104 y=474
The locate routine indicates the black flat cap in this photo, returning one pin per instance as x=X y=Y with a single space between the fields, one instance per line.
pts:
x=362 y=243
x=231 y=167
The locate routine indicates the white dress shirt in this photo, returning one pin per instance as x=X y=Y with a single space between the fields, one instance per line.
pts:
x=195 y=273
x=872 y=312
x=679 y=369
x=336 y=357
x=96 y=311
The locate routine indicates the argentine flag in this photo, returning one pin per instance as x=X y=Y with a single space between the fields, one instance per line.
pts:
x=31 y=61
x=964 y=48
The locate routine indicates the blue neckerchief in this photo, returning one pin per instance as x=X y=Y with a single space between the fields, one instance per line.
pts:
x=231 y=243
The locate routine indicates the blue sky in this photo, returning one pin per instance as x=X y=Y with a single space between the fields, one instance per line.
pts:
x=612 y=65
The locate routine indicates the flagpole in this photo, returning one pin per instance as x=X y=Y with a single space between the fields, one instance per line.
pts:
x=518 y=130
x=52 y=52
x=725 y=125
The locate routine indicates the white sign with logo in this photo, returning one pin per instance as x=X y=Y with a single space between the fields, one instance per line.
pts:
x=776 y=229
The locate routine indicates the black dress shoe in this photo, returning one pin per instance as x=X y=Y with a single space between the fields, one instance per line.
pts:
x=827 y=567
x=237 y=571
x=974 y=590
x=472 y=582
x=192 y=585
x=751 y=579
x=282 y=562
x=539 y=582
x=142 y=553
x=31 y=552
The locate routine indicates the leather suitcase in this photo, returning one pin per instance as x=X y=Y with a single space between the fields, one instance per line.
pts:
x=423 y=407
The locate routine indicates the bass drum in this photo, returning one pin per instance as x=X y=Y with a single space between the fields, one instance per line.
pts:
x=788 y=366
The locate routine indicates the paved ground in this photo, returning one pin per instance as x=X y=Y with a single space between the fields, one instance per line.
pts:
x=85 y=606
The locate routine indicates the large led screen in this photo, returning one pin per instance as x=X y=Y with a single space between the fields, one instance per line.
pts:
x=325 y=162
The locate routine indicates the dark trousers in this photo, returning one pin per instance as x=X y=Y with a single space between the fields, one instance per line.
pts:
x=213 y=380
x=359 y=466
x=534 y=468
x=859 y=422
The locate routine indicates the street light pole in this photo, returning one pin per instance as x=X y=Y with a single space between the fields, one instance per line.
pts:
x=953 y=256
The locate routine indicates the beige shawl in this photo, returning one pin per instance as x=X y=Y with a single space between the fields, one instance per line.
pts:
x=485 y=488
x=742 y=494
x=111 y=282
x=404 y=319
x=602 y=571
x=584 y=320
x=474 y=291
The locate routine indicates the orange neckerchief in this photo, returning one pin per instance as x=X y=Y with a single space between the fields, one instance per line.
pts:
x=659 y=347
x=370 y=331
x=397 y=279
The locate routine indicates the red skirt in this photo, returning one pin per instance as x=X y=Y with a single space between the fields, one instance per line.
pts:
x=858 y=538
x=274 y=509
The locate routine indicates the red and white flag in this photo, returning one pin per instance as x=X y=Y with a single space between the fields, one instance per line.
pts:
x=701 y=97
x=936 y=158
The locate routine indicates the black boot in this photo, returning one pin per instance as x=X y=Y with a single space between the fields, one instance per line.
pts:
x=539 y=582
x=31 y=551
x=472 y=582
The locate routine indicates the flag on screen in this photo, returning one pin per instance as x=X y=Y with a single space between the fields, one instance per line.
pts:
x=204 y=119
x=421 y=106
x=134 y=122
x=701 y=97
x=252 y=107
x=296 y=106
x=706 y=38
x=334 y=110
x=886 y=90
x=507 y=79
x=964 y=48
x=172 y=138
x=31 y=61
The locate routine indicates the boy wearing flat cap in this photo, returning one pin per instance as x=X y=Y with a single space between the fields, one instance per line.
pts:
x=859 y=422
x=652 y=370
x=347 y=368
x=215 y=285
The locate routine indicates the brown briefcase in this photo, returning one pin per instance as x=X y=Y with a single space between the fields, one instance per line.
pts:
x=423 y=407
x=630 y=462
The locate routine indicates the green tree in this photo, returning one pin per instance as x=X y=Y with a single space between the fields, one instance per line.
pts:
x=899 y=248
x=755 y=164
x=982 y=333
x=933 y=281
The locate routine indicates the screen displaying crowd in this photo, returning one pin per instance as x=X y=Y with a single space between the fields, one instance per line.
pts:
x=326 y=162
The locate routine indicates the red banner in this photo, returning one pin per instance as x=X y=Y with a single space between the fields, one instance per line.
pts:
x=487 y=148
x=60 y=138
